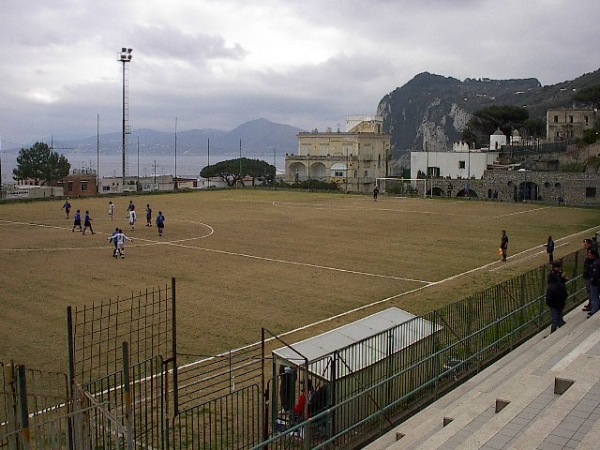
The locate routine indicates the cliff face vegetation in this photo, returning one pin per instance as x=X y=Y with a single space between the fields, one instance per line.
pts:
x=430 y=111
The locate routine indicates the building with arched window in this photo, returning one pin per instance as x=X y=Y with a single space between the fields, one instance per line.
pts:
x=354 y=158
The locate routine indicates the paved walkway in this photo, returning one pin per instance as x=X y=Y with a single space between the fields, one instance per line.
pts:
x=544 y=395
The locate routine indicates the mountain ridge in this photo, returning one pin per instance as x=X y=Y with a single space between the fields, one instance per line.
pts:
x=259 y=135
x=430 y=111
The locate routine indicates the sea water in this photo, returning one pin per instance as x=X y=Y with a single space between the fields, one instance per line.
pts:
x=188 y=166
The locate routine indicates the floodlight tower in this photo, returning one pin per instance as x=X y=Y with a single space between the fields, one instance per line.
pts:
x=125 y=57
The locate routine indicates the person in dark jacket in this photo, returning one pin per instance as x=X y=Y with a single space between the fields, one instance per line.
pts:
x=556 y=296
x=504 y=245
x=594 y=283
x=587 y=272
x=550 y=249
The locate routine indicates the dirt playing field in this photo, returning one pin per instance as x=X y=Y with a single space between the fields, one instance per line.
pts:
x=244 y=259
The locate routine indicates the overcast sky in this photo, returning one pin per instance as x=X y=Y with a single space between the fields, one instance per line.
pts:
x=306 y=63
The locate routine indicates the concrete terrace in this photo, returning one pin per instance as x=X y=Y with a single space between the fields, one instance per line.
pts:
x=544 y=395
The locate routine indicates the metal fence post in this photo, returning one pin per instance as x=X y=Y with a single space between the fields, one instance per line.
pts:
x=23 y=408
x=127 y=396
x=174 y=347
x=71 y=374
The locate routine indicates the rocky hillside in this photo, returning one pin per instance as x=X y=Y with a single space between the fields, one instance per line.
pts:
x=432 y=110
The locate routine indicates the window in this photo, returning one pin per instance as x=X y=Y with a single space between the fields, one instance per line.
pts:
x=570 y=119
x=84 y=186
x=461 y=165
x=590 y=192
x=106 y=188
x=338 y=173
x=586 y=119
x=70 y=186
x=555 y=119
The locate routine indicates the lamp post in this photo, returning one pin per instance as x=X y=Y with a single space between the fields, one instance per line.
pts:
x=125 y=57
x=175 y=170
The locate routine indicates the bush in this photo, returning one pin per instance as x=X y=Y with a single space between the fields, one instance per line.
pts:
x=572 y=167
x=316 y=185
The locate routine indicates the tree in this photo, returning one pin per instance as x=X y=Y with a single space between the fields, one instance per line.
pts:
x=589 y=95
x=485 y=121
x=534 y=128
x=229 y=171
x=41 y=164
x=590 y=136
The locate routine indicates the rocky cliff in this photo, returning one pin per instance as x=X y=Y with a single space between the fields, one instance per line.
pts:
x=430 y=111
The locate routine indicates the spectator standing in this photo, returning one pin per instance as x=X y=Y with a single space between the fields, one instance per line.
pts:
x=594 y=283
x=587 y=272
x=556 y=296
x=375 y=193
x=550 y=249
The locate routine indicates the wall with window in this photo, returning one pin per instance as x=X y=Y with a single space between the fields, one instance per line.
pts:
x=568 y=124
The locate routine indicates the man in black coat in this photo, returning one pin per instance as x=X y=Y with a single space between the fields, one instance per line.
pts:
x=556 y=296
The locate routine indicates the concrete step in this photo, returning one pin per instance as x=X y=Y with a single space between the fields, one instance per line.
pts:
x=531 y=398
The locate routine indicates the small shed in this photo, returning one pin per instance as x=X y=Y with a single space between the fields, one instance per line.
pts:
x=342 y=362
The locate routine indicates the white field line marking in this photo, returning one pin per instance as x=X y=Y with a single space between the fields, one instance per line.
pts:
x=378 y=302
x=149 y=241
x=523 y=212
x=178 y=243
x=525 y=256
x=591 y=230
x=294 y=263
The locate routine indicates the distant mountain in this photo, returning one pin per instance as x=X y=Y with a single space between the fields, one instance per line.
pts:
x=434 y=109
x=257 y=137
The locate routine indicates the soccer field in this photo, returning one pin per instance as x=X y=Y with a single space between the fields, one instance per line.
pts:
x=246 y=259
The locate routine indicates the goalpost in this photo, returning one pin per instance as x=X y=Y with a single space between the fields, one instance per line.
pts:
x=403 y=187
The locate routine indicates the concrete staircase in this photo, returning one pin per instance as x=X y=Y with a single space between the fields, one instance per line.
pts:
x=543 y=395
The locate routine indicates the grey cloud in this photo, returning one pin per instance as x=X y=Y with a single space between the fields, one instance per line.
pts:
x=169 y=42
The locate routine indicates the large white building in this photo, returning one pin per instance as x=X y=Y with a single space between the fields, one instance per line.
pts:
x=465 y=164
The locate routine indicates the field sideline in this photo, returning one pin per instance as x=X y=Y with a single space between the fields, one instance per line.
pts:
x=244 y=259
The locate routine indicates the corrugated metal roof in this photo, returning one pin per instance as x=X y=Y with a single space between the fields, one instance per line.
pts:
x=366 y=353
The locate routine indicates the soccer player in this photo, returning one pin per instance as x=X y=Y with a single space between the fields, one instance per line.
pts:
x=504 y=245
x=160 y=223
x=111 y=210
x=87 y=223
x=132 y=218
x=148 y=216
x=77 y=220
x=67 y=207
x=113 y=239
x=121 y=238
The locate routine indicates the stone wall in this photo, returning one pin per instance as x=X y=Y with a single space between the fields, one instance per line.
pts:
x=581 y=189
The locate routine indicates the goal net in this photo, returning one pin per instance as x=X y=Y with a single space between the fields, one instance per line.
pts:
x=403 y=187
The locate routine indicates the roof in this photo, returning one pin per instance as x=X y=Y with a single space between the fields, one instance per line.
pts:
x=317 y=349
